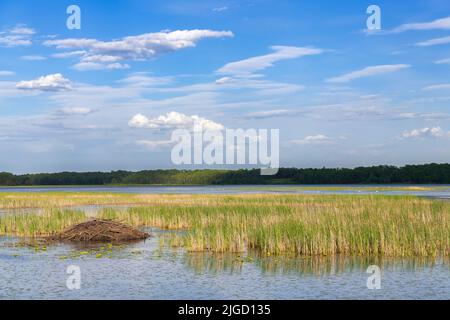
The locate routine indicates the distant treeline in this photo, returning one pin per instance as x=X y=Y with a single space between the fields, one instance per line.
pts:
x=428 y=173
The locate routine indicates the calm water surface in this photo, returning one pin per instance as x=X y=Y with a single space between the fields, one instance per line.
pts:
x=443 y=192
x=145 y=270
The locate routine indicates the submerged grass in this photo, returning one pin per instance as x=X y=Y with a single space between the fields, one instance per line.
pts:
x=270 y=224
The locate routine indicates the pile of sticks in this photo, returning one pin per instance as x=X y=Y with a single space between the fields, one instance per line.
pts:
x=100 y=231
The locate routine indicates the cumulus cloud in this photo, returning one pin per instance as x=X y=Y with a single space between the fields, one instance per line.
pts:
x=368 y=72
x=97 y=54
x=438 y=24
x=435 y=132
x=20 y=35
x=249 y=66
x=173 y=120
x=434 y=42
x=52 y=82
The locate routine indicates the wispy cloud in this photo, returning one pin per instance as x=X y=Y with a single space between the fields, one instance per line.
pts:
x=20 y=35
x=433 y=42
x=313 y=140
x=5 y=73
x=89 y=66
x=144 y=79
x=22 y=29
x=443 y=61
x=69 y=54
x=368 y=72
x=438 y=24
x=248 y=66
x=75 y=111
x=220 y=9
x=33 y=58
x=277 y=113
x=443 y=86
x=155 y=144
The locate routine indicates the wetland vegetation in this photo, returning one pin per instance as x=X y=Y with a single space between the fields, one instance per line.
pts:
x=296 y=225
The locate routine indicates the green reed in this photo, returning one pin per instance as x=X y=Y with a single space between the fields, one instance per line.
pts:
x=270 y=224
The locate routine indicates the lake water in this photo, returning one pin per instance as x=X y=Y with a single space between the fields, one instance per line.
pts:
x=145 y=270
x=442 y=192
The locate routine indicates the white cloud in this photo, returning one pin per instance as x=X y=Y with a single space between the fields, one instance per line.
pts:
x=173 y=120
x=434 y=42
x=52 y=82
x=368 y=72
x=13 y=41
x=20 y=35
x=273 y=114
x=438 y=24
x=248 y=66
x=316 y=139
x=22 y=30
x=5 y=73
x=69 y=54
x=75 y=111
x=155 y=144
x=88 y=66
x=444 y=86
x=142 y=79
x=443 y=61
x=224 y=80
x=435 y=132
x=141 y=47
x=220 y=9
x=33 y=58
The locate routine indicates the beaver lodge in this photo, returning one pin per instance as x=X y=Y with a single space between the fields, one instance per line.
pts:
x=100 y=231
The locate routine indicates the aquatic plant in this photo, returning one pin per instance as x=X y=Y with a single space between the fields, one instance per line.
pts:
x=47 y=222
x=269 y=224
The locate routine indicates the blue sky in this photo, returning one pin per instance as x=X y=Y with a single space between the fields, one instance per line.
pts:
x=340 y=95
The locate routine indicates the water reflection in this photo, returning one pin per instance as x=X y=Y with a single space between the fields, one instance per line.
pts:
x=304 y=266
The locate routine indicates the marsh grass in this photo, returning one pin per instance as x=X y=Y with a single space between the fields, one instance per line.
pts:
x=48 y=222
x=311 y=225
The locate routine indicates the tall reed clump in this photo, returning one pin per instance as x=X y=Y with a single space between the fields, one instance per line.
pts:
x=307 y=225
x=46 y=223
